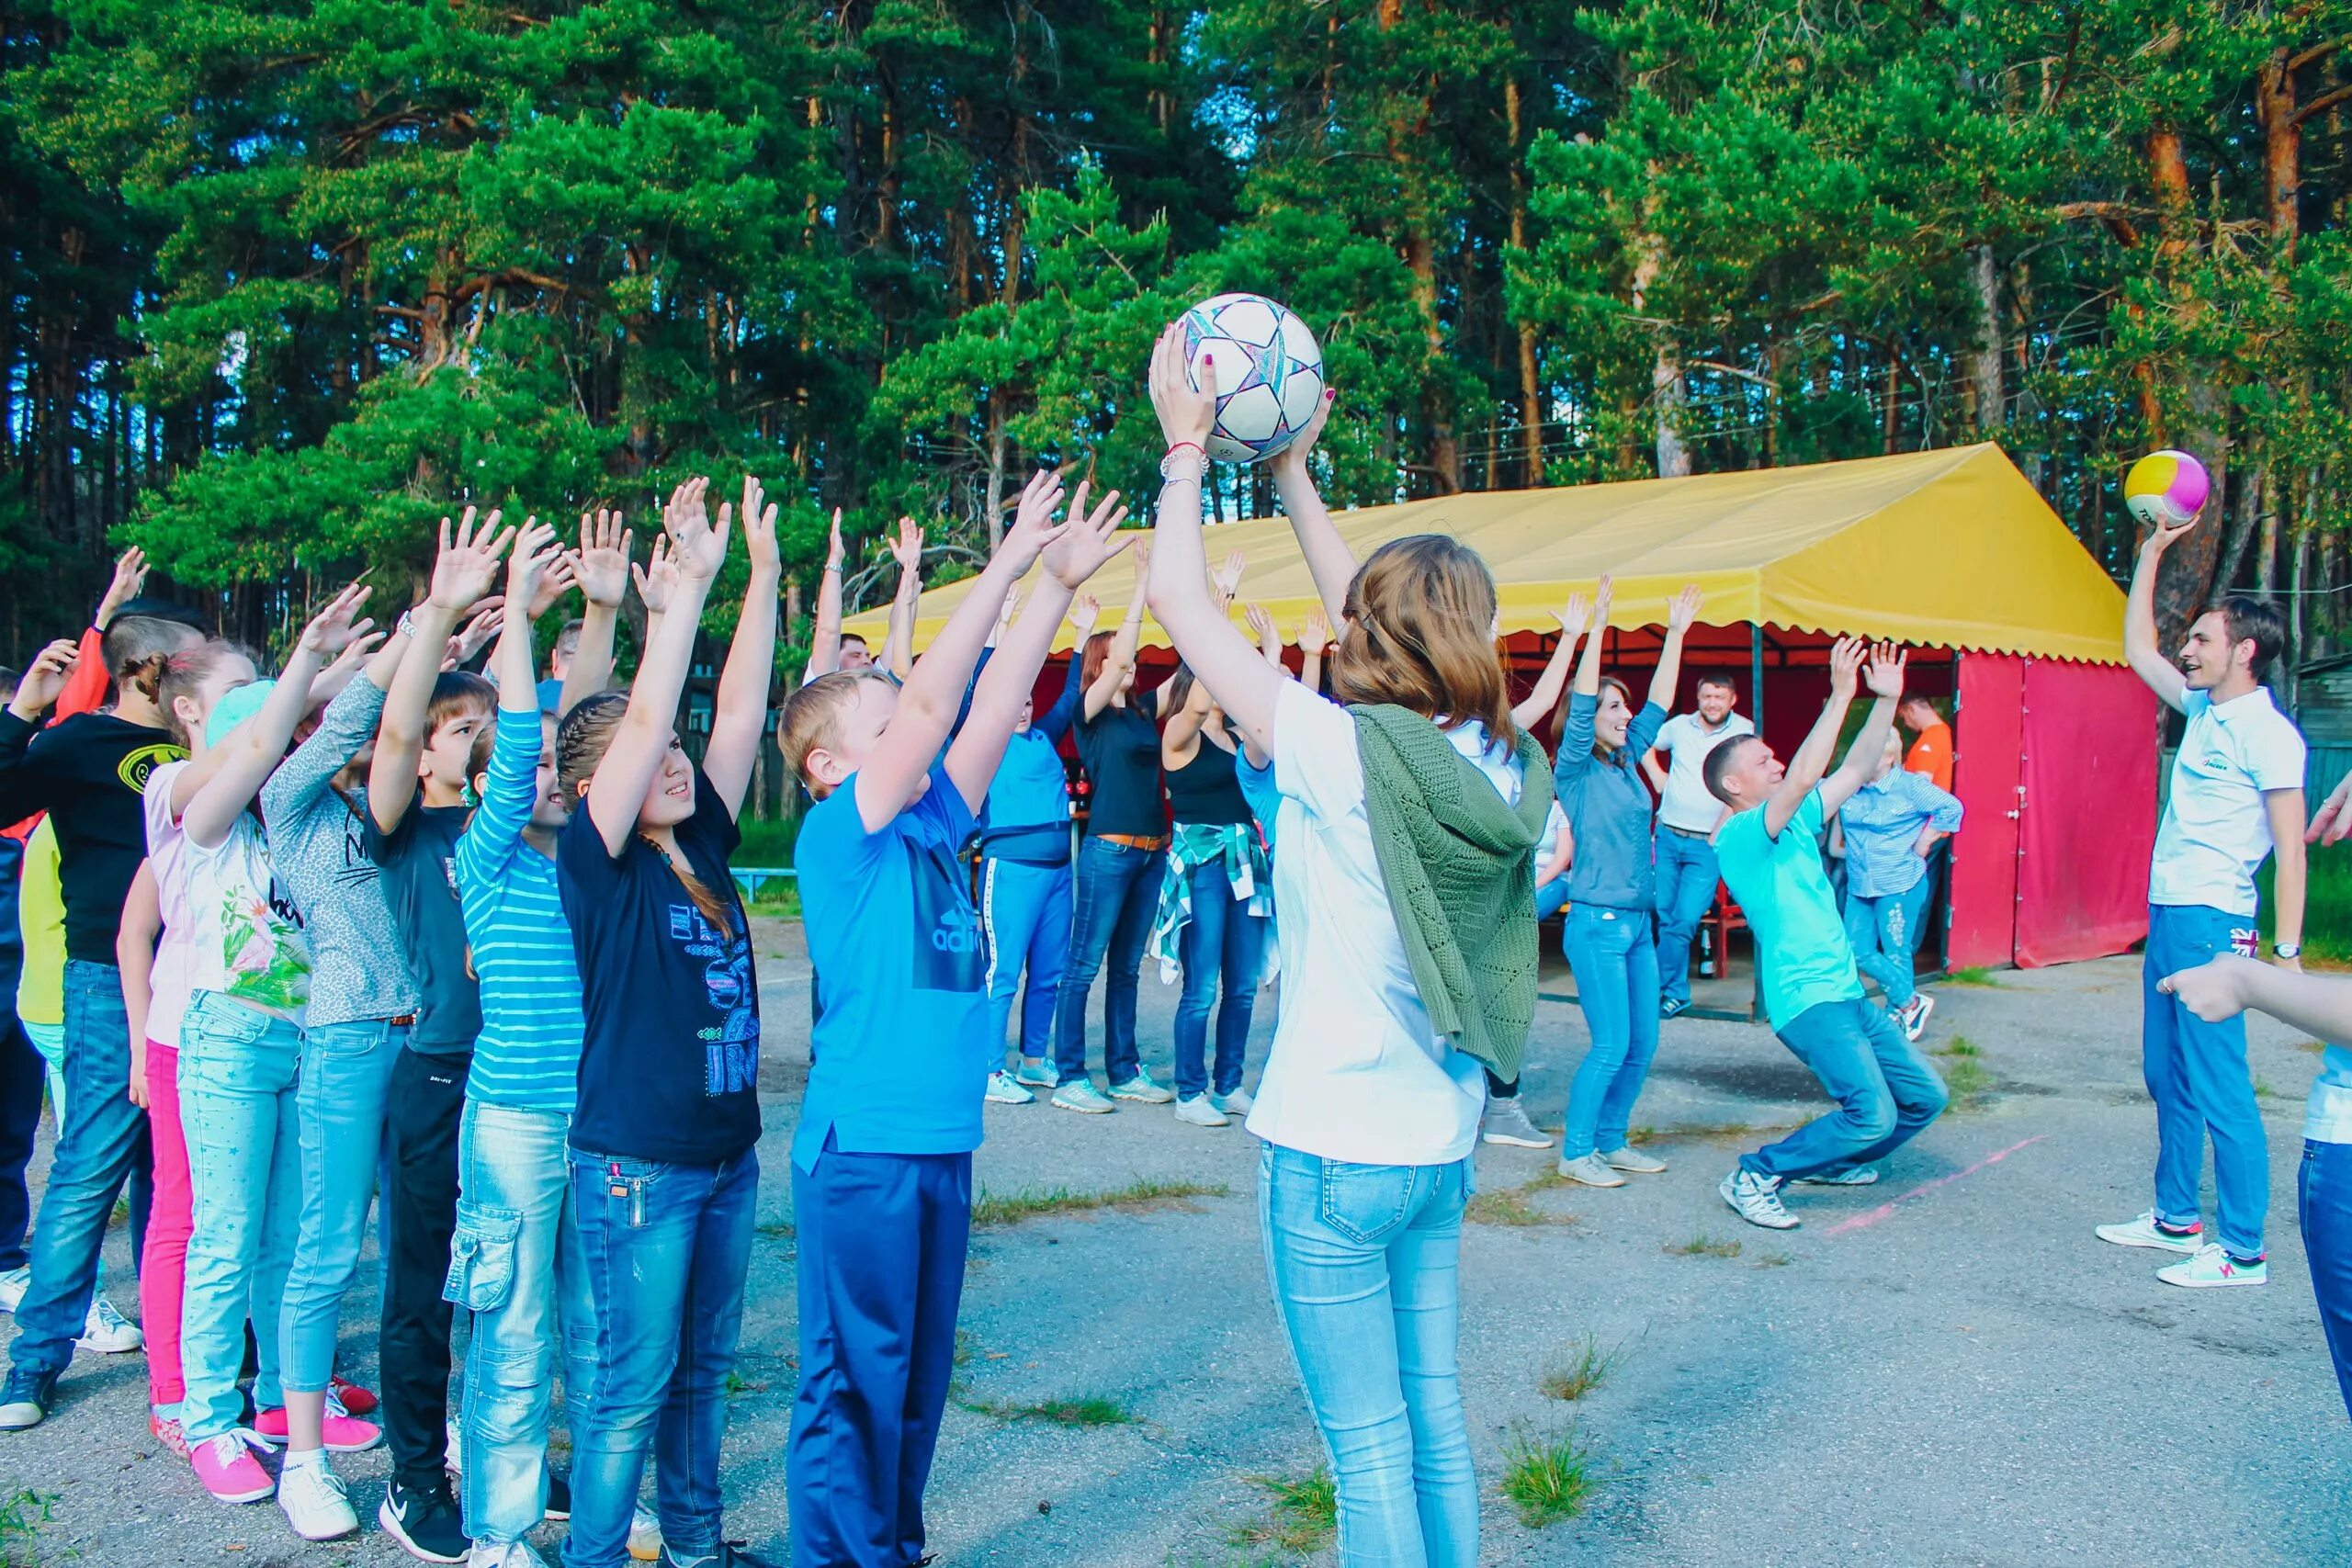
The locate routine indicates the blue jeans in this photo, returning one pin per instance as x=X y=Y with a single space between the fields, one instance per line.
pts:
x=20 y=1085
x=1364 y=1261
x=1885 y=934
x=1117 y=894
x=238 y=1069
x=2324 y=1210
x=1686 y=891
x=1222 y=941
x=1885 y=1089
x=516 y=1264
x=1025 y=909
x=1615 y=961
x=340 y=1106
x=1551 y=898
x=881 y=1275
x=668 y=1248
x=101 y=1150
x=2197 y=1075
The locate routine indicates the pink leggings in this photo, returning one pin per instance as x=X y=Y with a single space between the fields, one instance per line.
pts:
x=163 y=1266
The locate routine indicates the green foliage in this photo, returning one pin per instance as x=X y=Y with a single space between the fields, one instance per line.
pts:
x=1303 y=1513
x=1547 y=1478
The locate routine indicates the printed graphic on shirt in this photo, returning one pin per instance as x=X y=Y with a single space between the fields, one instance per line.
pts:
x=950 y=953
x=263 y=956
x=141 y=761
x=732 y=1049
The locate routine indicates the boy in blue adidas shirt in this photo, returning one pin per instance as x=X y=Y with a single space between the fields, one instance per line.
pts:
x=882 y=1160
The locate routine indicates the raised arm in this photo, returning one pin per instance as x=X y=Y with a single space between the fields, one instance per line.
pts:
x=134 y=954
x=1314 y=636
x=250 y=751
x=1589 y=667
x=1055 y=722
x=1122 y=656
x=86 y=689
x=1883 y=675
x=642 y=740
x=462 y=573
x=898 y=646
x=1178 y=593
x=1183 y=732
x=600 y=565
x=1329 y=559
x=511 y=778
x=2140 y=648
x=1681 y=613
x=2285 y=809
x=738 y=716
x=825 y=638
x=1574 y=617
x=1812 y=758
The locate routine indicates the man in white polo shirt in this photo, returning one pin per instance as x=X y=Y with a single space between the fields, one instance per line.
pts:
x=2237 y=794
x=1687 y=816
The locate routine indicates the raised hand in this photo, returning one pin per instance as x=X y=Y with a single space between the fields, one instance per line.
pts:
x=1083 y=612
x=601 y=563
x=1315 y=631
x=1604 y=597
x=658 y=577
x=759 y=528
x=1226 y=582
x=1574 y=616
x=906 y=548
x=1683 y=608
x=129 y=577
x=337 y=629
x=833 y=543
x=2165 y=536
x=1295 y=454
x=489 y=617
x=1261 y=626
x=44 y=678
x=537 y=552
x=1846 y=656
x=468 y=563
x=555 y=581
x=1040 y=499
x=1087 y=540
x=697 y=547
x=1883 y=674
x=1187 y=413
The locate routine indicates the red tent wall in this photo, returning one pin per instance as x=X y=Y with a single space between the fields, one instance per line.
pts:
x=1985 y=776
x=2089 y=811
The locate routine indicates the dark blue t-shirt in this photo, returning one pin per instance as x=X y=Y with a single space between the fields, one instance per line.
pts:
x=903 y=1055
x=669 y=1065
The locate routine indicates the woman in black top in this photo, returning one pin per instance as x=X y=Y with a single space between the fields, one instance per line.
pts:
x=1216 y=902
x=1119 y=867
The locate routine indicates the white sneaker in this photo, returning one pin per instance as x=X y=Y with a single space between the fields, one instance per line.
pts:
x=1914 y=1017
x=1756 y=1199
x=1634 y=1160
x=107 y=1332
x=2142 y=1232
x=1590 y=1169
x=1507 y=1122
x=1854 y=1176
x=644 y=1535
x=1080 y=1094
x=453 y=1449
x=314 y=1501
x=13 y=1286
x=1198 y=1113
x=505 y=1554
x=1002 y=1091
x=1238 y=1103
x=2209 y=1267
x=1143 y=1089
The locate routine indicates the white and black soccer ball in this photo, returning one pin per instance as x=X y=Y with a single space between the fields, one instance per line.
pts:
x=1269 y=373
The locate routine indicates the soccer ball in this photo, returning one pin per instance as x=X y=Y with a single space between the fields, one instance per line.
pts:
x=1269 y=373
x=2165 y=489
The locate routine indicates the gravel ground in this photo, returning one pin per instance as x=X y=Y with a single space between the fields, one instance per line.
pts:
x=1944 y=1370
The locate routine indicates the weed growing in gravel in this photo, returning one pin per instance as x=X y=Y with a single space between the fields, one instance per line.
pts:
x=21 y=1519
x=1070 y=1410
x=1303 y=1514
x=1964 y=1074
x=1011 y=1208
x=1547 y=1479
x=1972 y=974
x=2314 y=1046
x=1508 y=1206
x=1961 y=1045
x=1773 y=1260
x=1584 y=1369
x=1703 y=1245
x=738 y=1385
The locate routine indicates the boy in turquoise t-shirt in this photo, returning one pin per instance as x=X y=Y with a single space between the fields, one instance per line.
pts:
x=1769 y=853
x=882 y=1162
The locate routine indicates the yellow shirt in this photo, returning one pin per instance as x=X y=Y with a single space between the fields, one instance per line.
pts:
x=40 y=920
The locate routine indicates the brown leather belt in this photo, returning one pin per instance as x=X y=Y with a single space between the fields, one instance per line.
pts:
x=1134 y=840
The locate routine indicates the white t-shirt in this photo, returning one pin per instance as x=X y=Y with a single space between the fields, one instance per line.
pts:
x=1356 y=1073
x=2216 y=831
x=167 y=859
x=1686 y=740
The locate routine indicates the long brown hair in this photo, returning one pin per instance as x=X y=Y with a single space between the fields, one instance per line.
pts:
x=1420 y=613
x=1093 y=656
x=1602 y=749
x=581 y=738
x=162 y=678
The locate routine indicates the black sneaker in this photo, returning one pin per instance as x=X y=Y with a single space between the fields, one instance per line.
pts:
x=427 y=1523
x=559 y=1496
x=730 y=1556
x=25 y=1397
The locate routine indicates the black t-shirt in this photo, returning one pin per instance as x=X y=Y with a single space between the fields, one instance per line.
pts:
x=670 y=1065
x=89 y=774
x=1120 y=749
x=420 y=862
x=1205 y=790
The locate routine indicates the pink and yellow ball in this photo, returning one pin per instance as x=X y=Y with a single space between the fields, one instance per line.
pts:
x=2167 y=487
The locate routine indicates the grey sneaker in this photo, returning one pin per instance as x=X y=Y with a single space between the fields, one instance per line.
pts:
x=1591 y=1170
x=1080 y=1094
x=1238 y=1103
x=1630 y=1160
x=1043 y=1076
x=1197 y=1111
x=1507 y=1122
x=1142 y=1090
x=1756 y=1199
x=1857 y=1176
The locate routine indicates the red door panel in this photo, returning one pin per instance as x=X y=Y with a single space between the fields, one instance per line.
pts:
x=1986 y=739
x=2089 y=764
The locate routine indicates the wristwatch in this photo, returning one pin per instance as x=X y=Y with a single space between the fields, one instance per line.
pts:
x=2286 y=950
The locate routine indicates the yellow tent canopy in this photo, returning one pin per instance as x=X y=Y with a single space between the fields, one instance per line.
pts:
x=1949 y=548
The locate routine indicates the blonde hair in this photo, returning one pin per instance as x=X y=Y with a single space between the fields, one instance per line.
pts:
x=809 y=717
x=1420 y=610
x=581 y=738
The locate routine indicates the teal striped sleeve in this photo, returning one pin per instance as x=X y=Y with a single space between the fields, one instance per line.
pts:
x=510 y=783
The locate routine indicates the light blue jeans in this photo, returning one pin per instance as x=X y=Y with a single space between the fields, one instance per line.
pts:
x=1364 y=1261
x=1885 y=1089
x=49 y=1039
x=516 y=1264
x=1615 y=960
x=238 y=1068
x=2196 y=1073
x=345 y=1067
x=1686 y=877
x=1885 y=934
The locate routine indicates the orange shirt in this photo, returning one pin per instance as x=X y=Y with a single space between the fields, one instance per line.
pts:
x=1931 y=755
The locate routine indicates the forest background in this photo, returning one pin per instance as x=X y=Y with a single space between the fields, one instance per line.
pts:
x=286 y=280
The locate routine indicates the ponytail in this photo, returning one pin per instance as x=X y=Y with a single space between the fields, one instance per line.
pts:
x=719 y=911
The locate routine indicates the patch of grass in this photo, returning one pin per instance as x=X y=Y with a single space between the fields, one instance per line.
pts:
x=2327 y=905
x=1032 y=1203
x=1641 y=1134
x=1703 y=1245
x=1547 y=1479
x=1965 y=1078
x=1508 y=1206
x=2314 y=1046
x=767 y=842
x=779 y=899
x=22 y=1519
x=1773 y=1260
x=1303 y=1513
x=2262 y=1090
x=967 y=1342
x=1069 y=1410
x=738 y=1385
x=1585 y=1368
x=1961 y=1046
x=1972 y=975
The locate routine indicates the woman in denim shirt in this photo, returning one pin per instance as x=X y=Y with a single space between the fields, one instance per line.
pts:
x=1610 y=942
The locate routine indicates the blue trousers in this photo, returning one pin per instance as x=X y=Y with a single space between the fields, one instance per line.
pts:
x=1223 y=943
x=882 y=1244
x=21 y=1080
x=1886 y=1091
x=1615 y=962
x=2323 y=1208
x=1885 y=934
x=1026 y=911
x=1686 y=891
x=1116 y=895
x=2197 y=1075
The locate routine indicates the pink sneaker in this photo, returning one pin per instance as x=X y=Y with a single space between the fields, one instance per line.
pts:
x=167 y=1431
x=342 y=1432
x=357 y=1401
x=228 y=1469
